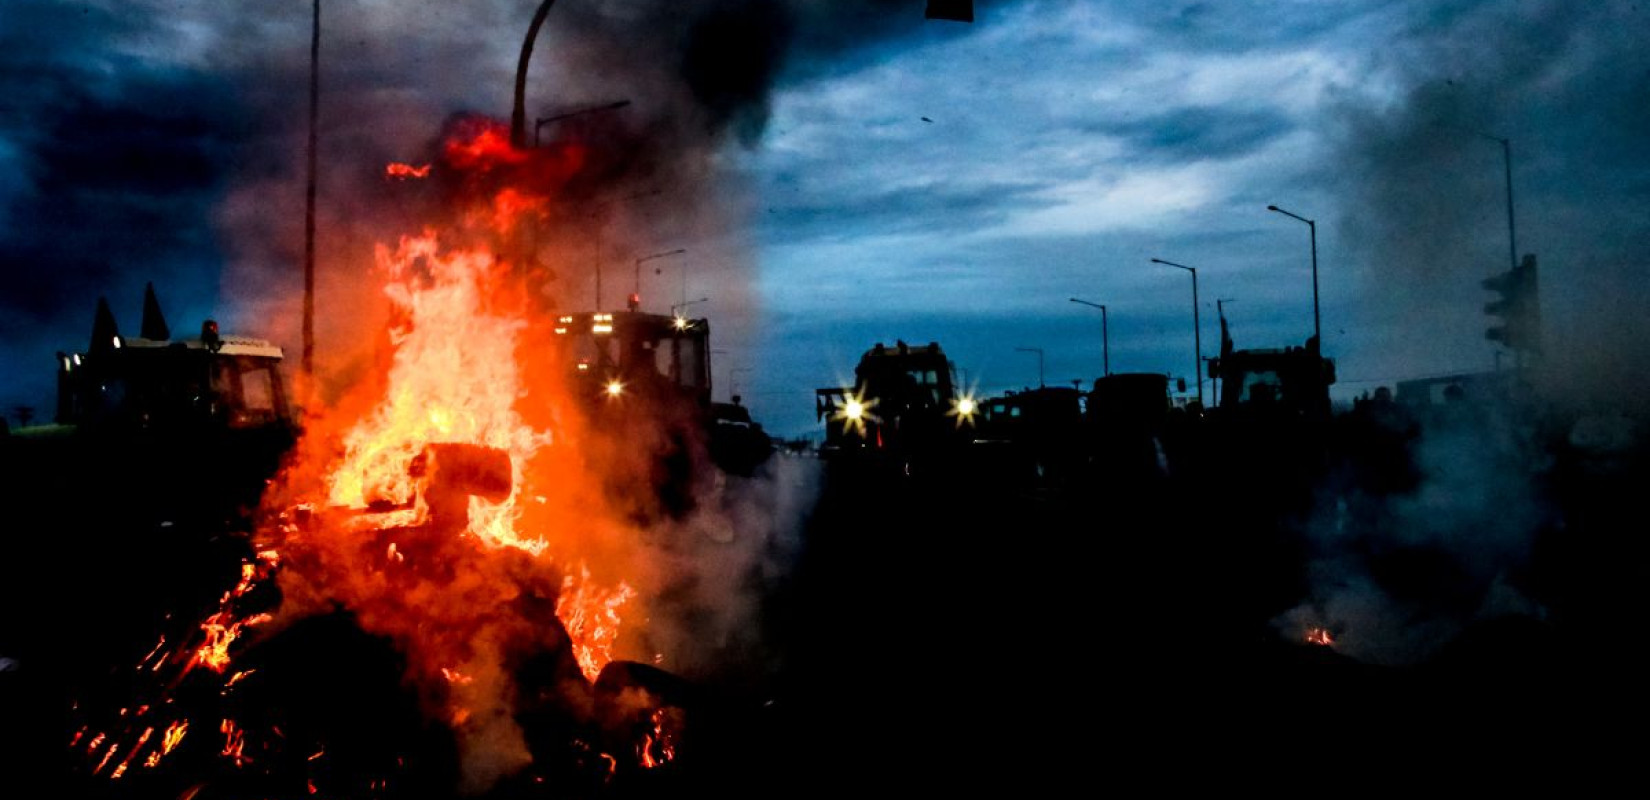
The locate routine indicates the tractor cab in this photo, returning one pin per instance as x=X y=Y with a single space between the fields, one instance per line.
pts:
x=623 y=354
x=156 y=382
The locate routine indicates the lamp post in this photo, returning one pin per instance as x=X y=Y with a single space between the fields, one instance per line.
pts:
x=601 y=226
x=1317 y=322
x=1039 y=352
x=308 y=361
x=538 y=124
x=1197 y=330
x=677 y=309
x=518 y=114
x=1225 y=339
x=1512 y=233
x=636 y=293
x=1105 y=335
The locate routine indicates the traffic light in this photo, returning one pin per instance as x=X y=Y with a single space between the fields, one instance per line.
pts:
x=1519 y=308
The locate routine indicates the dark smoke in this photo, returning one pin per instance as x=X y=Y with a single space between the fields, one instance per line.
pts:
x=1399 y=575
x=1569 y=85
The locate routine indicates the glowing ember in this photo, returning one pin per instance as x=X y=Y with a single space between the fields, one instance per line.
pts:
x=106 y=756
x=237 y=678
x=1320 y=636
x=143 y=739
x=152 y=653
x=406 y=171
x=174 y=735
x=234 y=741
x=658 y=746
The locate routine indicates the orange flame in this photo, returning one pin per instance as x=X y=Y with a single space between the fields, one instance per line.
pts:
x=1320 y=636
x=481 y=145
x=121 y=770
x=174 y=735
x=658 y=746
x=234 y=742
x=459 y=578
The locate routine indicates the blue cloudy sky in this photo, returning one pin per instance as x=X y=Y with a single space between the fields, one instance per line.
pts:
x=845 y=173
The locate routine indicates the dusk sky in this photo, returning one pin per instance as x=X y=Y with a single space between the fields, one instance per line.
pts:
x=871 y=176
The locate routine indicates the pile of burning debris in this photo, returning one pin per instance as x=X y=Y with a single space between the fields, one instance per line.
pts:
x=434 y=589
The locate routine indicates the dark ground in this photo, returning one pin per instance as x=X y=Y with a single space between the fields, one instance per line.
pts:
x=930 y=635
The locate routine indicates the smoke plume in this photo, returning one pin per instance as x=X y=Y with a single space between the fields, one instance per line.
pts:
x=1568 y=85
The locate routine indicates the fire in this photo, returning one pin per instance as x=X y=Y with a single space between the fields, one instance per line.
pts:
x=142 y=740
x=173 y=736
x=591 y=615
x=406 y=171
x=455 y=378
x=481 y=145
x=510 y=206
x=658 y=745
x=448 y=501
x=234 y=742
x=1320 y=636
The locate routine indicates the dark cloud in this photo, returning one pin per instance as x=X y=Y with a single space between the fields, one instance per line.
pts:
x=1233 y=27
x=933 y=209
x=118 y=166
x=1194 y=133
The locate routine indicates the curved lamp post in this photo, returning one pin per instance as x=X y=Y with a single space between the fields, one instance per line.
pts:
x=1317 y=324
x=1197 y=330
x=1105 y=335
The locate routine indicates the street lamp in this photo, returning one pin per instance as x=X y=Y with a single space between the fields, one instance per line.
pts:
x=538 y=124
x=636 y=293
x=678 y=319
x=678 y=308
x=518 y=114
x=601 y=226
x=1197 y=330
x=1317 y=324
x=1506 y=156
x=1039 y=352
x=1105 y=336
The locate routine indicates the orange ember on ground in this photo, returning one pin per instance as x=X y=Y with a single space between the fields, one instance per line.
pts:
x=1320 y=636
x=174 y=735
x=658 y=746
x=234 y=741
